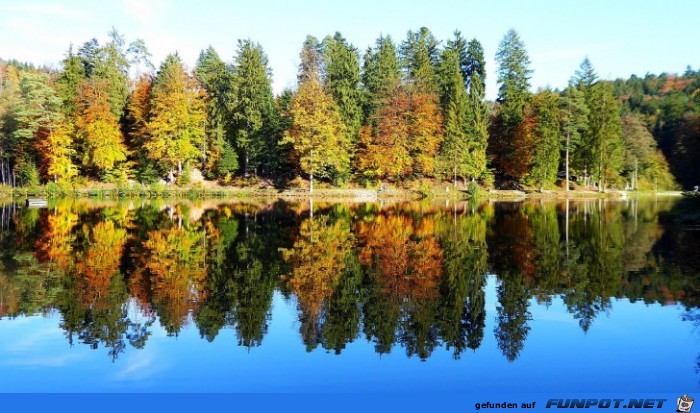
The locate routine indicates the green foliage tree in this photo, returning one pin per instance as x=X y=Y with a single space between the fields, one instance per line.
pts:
x=419 y=58
x=546 y=156
x=509 y=146
x=454 y=151
x=341 y=78
x=381 y=73
x=217 y=79
x=574 y=121
x=38 y=111
x=605 y=134
x=254 y=105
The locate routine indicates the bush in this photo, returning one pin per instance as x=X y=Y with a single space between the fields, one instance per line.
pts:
x=473 y=188
x=184 y=178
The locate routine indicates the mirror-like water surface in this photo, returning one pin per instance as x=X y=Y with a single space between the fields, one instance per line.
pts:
x=577 y=296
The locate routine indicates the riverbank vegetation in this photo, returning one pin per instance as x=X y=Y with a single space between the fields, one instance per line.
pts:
x=399 y=114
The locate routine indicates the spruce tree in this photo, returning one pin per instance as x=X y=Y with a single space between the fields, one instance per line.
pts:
x=380 y=75
x=509 y=144
x=419 y=58
x=342 y=80
x=254 y=104
x=217 y=79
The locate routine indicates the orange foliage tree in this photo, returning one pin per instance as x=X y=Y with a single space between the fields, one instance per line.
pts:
x=100 y=262
x=406 y=137
x=405 y=253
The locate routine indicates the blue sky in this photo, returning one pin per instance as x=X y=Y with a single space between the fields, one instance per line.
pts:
x=621 y=37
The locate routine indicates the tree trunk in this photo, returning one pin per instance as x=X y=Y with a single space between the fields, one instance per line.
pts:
x=454 y=179
x=311 y=174
x=179 y=168
x=567 y=161
x=600 y=173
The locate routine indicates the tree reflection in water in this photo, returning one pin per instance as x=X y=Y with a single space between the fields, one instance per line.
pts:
x=411 y=276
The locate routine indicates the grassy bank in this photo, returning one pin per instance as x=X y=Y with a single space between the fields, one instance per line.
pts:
x=410 y=192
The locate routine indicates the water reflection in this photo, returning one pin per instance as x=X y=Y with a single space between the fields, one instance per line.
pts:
x=405 y=277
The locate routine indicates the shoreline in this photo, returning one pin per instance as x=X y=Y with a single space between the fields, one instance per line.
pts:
x=326 y=194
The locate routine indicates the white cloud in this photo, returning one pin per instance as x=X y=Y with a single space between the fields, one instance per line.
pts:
x=139 y=365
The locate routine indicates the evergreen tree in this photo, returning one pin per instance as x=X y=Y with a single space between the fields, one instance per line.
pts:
x=217 y=79
x=509 y=145
x=419 y=55
x=310 y=66
x=454 y=151
x=342 y=80
x=574 y=121
x=254 y=105
x=545 y=162
x=37 y=112
x=605 y=132
x=380 y=75
x=474 y=68
x=69 y=81
x=113 y=66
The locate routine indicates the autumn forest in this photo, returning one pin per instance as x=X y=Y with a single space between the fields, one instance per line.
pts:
x=396 y=112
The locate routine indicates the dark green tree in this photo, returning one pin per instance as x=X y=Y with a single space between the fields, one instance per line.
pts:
x=574 y=121
x=342 y=80
x=419 y=58
x=217 y=79
x=545 y=161
x=381 y=73
x=509 y=144
x=254 y=105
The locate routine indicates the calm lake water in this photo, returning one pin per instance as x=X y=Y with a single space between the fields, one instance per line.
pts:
x=584 y=296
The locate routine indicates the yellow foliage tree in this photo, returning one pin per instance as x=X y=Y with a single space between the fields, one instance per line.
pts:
x=317 y=260
x=56 y=149
x=178 y=117
x=99 y=128
x=317 y=133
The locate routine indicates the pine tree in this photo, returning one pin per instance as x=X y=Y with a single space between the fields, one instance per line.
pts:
x=254 y=105
x=419 y=55
x=113 y=66
x=342 y=80
x=605 y=132
x=454 y=151
x=510 y=144
x=310 y=66
x=218 y=80
x=380 y=75
x=37 y=111
x=69 y=81
x=474 y=68
x=574 y=121
x=545 y=162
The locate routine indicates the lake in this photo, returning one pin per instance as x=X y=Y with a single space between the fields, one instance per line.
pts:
x=577 y=296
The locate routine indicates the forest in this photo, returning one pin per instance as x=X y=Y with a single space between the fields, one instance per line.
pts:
x=397 y=113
